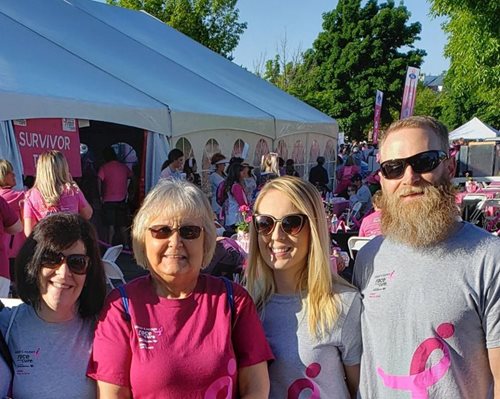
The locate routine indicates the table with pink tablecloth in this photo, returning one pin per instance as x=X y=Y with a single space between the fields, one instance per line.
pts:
x=489 y=193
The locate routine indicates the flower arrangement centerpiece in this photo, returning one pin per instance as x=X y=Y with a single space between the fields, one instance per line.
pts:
x=243 y=226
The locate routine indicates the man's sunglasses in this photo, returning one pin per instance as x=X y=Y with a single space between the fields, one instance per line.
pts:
x=290 y=224
x=421 y=163
x=186 y=232
x=77 y=263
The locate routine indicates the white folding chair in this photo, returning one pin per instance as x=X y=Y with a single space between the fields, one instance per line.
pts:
x=353 y=212
x=111 y=269
x=11 y=302
x=113 y=272
x=356 y=243
x=112 y=253
x=475 y=200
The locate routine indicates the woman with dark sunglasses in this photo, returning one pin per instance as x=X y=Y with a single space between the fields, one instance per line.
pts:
x=311 y=317
x=60 y=278
x=178 y=333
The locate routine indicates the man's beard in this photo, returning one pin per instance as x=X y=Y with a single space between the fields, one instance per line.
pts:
x=423 y=221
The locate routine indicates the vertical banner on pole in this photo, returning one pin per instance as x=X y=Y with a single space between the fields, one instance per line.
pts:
x=379 y=97
x=409 y=92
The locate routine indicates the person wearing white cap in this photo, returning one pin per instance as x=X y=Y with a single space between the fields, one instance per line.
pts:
x=219 y=162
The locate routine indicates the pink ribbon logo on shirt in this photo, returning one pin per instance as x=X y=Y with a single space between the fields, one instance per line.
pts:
x=222 y=388
x=422 y=378
x=302 y=384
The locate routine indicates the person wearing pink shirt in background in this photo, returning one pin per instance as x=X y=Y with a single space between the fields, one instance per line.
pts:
x=14 y=198
x=10 y=224
x=113 y=182
x=370 y=225
x=54 y=191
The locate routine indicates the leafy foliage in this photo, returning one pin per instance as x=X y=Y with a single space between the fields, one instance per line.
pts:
x=360 y=50
x=213 y=23
x=473 y=81
x=429 y=102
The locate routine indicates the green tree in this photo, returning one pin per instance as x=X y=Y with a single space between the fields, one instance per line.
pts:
x=213 y=23
x=428 y=102
x=360 y=50
x=473 y=80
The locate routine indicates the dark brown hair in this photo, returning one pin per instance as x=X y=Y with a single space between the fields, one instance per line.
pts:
x=55 y=233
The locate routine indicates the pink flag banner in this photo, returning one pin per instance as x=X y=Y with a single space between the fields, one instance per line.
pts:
x=36 y=136
x=409 y=92
x=379 y=97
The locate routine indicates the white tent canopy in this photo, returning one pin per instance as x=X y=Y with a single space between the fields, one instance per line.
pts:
x=474 y=130
x=77 y=56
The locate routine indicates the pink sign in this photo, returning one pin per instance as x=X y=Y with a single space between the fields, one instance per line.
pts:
x=409 y=93
x=376 y=119
x=36 y=136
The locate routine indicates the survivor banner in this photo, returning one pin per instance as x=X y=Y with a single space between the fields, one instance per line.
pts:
x=35 y=136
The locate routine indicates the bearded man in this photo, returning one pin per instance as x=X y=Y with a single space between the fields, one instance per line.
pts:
x=431 y=283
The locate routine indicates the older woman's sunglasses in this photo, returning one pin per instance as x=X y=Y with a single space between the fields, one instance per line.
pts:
x=423 y=162
x=290 y=224
x=77 y=263
x=186 y=232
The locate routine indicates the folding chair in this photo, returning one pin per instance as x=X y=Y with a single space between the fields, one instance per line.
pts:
x=111 y=269
x=352 y=214
x=470 y=205
x=113 y=272
x=356 y=243
x=112 y=253
x=11 y=302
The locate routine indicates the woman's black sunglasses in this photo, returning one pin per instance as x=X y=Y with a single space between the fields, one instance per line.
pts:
x=421 y=163
x=77 y=263
x=186 y=232
x=290 y=224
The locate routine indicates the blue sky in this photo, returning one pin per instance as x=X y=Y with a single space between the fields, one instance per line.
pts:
x=269 y=20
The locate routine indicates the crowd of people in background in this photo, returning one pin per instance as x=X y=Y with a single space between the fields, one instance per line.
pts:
x=420 y=318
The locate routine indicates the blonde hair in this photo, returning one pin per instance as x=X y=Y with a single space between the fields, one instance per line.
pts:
x=269 y=163
x=173 y=199
x=5 y=168
x=52 y=176
x=377 y=198
x=316 y=279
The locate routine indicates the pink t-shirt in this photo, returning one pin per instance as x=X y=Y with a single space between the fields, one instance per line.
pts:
x=114 y=176
x=7 y=218
x=370 y=225
x=178 y=348
x=13 y=198
x=72 y=200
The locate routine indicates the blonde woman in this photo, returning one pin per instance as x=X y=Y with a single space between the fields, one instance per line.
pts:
x=311 y=318
x=269 y=169
x=54 y=191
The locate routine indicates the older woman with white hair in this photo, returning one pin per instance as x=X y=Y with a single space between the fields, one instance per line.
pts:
x=178 y=333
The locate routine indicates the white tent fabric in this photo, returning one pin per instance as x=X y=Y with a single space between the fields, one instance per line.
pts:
x=292 y=116
x=92 y=51
x=474 y=130
x=157 y=149
x=9 y=150
x=40 y=79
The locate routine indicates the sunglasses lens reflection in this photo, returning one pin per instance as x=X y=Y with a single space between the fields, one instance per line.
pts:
x=186 y=232
x=291 y=224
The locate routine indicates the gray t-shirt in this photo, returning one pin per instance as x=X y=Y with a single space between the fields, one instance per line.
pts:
x=302 y=364
x=429 y=316
x=50 y=359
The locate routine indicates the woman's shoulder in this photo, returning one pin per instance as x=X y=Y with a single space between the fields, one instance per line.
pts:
x=135 y=287
x=346 y=293
x=19 y=311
